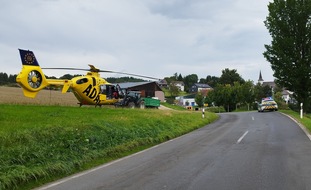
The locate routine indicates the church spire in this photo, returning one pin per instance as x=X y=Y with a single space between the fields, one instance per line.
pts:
x=260 y=80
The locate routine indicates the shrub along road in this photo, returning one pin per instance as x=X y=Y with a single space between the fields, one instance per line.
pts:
x=239 y=151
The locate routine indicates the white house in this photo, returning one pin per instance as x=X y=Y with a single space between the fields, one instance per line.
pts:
x=186 y=100
x=286 y=96
x=197 y=87
x=179 y=84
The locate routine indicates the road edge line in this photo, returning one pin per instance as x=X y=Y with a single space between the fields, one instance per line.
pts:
x=305 y=130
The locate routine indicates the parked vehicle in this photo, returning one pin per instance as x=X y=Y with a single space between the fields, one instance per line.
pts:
x=267 y=104
x=133 y=99
x=152 y=103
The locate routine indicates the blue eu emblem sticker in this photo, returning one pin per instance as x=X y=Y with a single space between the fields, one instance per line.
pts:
x=29 y=58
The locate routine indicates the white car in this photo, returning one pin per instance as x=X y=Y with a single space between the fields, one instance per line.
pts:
x=267 y=104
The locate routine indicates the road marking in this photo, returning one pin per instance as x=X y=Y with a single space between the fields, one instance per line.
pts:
x=241 y=138
x=303 y=128
x=253 y=118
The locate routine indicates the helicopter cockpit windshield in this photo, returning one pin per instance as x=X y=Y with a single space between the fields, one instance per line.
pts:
x=109 y=90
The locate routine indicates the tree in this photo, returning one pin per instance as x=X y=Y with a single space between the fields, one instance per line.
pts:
x=261 y=92
x=12 y=79
x=202 y=81
x=67 y=76
x=280 y=101
x=179 y=78
x=171 y=79
x=230 y=76
x=223 y=95
x=173 y=89
x=237 y=94
x=189 y=80
x=124 y=79
x=3 y=78
x=230 y=96
x=199 y=99
x=212 y=80
x=248 y=93
x=289 y=24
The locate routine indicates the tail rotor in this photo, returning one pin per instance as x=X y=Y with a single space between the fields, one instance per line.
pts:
x=34 y=79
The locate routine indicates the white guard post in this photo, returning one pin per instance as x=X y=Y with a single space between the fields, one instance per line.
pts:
x=301 y=110
x=203 y=113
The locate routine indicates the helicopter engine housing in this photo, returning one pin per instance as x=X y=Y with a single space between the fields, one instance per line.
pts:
x=32 y=80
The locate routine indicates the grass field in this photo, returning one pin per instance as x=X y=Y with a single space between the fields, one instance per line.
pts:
x=40 y=143
x=13 y=95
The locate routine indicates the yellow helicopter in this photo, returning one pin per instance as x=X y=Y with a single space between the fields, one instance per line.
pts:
x=89 y=89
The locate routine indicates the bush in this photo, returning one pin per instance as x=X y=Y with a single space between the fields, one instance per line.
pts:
x=216 y=109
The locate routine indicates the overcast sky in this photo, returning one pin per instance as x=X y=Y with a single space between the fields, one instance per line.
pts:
x=149 y=37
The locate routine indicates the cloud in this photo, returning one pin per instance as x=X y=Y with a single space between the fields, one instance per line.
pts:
x=148 y=37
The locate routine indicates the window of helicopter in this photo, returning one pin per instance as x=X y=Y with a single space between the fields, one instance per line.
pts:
x=81 y=81
x=102 y=89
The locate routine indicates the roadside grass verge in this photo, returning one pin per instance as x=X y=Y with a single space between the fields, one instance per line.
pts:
x=305 y=121
x=43 y=143
x=174 y=107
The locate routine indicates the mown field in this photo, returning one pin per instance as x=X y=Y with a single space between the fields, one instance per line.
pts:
x=40 y=143
x=13 y=95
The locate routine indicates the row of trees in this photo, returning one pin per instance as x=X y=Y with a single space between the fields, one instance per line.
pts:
x=228 y=77
x=232 y=91
x=231 y=96
x=7 y=79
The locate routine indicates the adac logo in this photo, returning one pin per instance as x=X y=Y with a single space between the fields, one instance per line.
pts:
x=29 y=58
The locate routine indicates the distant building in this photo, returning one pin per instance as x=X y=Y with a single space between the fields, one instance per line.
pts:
x=162 y=83
x=147 y=89
x=197 y=87
x=286 y=94
x=271 y=84
x=179 y=84
x=260 y=80
x=186 y=100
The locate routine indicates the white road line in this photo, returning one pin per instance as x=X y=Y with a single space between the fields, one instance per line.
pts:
x=253 y=118
x=303 y=128
x=241 y=138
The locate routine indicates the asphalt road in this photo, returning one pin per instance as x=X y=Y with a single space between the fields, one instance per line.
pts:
x=239 y=151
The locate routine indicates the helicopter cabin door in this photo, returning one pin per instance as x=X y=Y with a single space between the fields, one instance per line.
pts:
x=108 y=92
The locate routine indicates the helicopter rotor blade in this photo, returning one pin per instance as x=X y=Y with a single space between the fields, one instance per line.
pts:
x=105 y=71
x=62 y=68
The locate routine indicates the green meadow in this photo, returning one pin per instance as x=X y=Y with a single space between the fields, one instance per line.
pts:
x=44 y=143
